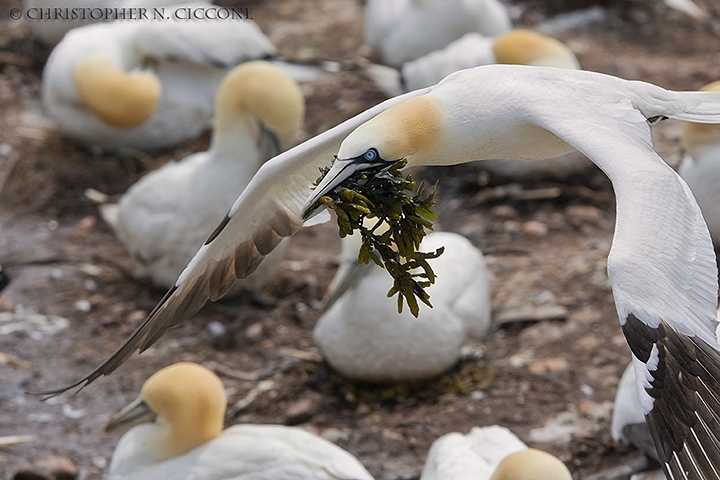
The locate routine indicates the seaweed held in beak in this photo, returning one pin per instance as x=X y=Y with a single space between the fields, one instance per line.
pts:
x=400 y=204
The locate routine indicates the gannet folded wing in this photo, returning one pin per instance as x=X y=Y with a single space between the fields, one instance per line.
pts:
x=268 y=210
x=664 y=280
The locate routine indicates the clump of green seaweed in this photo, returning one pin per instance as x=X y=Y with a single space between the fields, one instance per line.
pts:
x=398 y=203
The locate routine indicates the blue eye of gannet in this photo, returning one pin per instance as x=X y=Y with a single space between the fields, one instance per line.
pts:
x=371 y=155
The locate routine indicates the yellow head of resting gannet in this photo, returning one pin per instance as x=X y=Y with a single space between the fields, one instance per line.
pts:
x=525 y=47
x=186 y=404
x=261 y=90
x=120 y=99
x=531 y=464
x=258 y=111
x=489 y=453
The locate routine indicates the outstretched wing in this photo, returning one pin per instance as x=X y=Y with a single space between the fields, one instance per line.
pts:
x=664 y=279
x=267 y=211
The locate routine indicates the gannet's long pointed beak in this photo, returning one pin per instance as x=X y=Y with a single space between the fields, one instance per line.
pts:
x=340 y=171
x=134 y=414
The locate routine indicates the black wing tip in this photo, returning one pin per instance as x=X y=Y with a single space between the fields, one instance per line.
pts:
x=48 y=394
x=686 y=398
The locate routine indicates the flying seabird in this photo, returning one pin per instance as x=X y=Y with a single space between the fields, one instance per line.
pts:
x=489 y=453
x=661 y=265
x=176 y=432
x=258 y=112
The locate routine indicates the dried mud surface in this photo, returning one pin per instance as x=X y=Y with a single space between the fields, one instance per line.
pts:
x=552 y=382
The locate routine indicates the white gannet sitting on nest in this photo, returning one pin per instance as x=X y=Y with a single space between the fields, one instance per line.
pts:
x=79 y=12
x=701 y=168
x=166 y=216
x=403 y=30
x=628 y=422
x=363 y=336
x=144 y=84
x=518 y=46
x=489 y=453
x=661 y=265
x=177 y=434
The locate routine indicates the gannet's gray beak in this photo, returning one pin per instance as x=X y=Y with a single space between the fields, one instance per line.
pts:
x=134 y=414
x=340 y=171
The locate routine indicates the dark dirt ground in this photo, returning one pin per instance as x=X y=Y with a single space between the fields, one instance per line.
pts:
x=552 y=382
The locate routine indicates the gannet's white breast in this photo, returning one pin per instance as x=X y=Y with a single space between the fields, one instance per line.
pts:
x=473 y=456
x=189 y=58
x=241 y=452
x=363 y=336
x=404 y=30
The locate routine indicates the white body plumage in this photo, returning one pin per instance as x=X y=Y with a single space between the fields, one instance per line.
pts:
x=363 y=336
x=404 y=30
x=167 y=216
x=175 y=432
x=183 y=62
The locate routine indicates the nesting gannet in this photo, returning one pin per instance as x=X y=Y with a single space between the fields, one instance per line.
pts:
x=489 y=453
x=363 y=336
x=50 y=20
x=403 y=30
x=518 y=46
x=144 y=84
x=628 y=420
x=700 y=168
x=176 y=433
x=166 y=216
x=661 y=265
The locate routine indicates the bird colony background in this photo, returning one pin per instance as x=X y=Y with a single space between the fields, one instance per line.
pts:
x=548 y=370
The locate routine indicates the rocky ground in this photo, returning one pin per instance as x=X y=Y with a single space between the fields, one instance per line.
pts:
x=548 y=370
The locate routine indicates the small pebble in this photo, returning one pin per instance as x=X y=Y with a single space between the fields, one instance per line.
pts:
x=301 y=411
x=504 y=212
x=534 y=228
x=82 y=305
x=254 y=332
x=547 y=365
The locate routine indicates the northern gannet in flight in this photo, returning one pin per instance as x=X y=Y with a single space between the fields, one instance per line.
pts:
x=176 y=432
x=146 y=84
x=258 y=112
x=661 y=265
x=489 y=453
x=363 y=336
x=700 y=168
x=403 y=30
